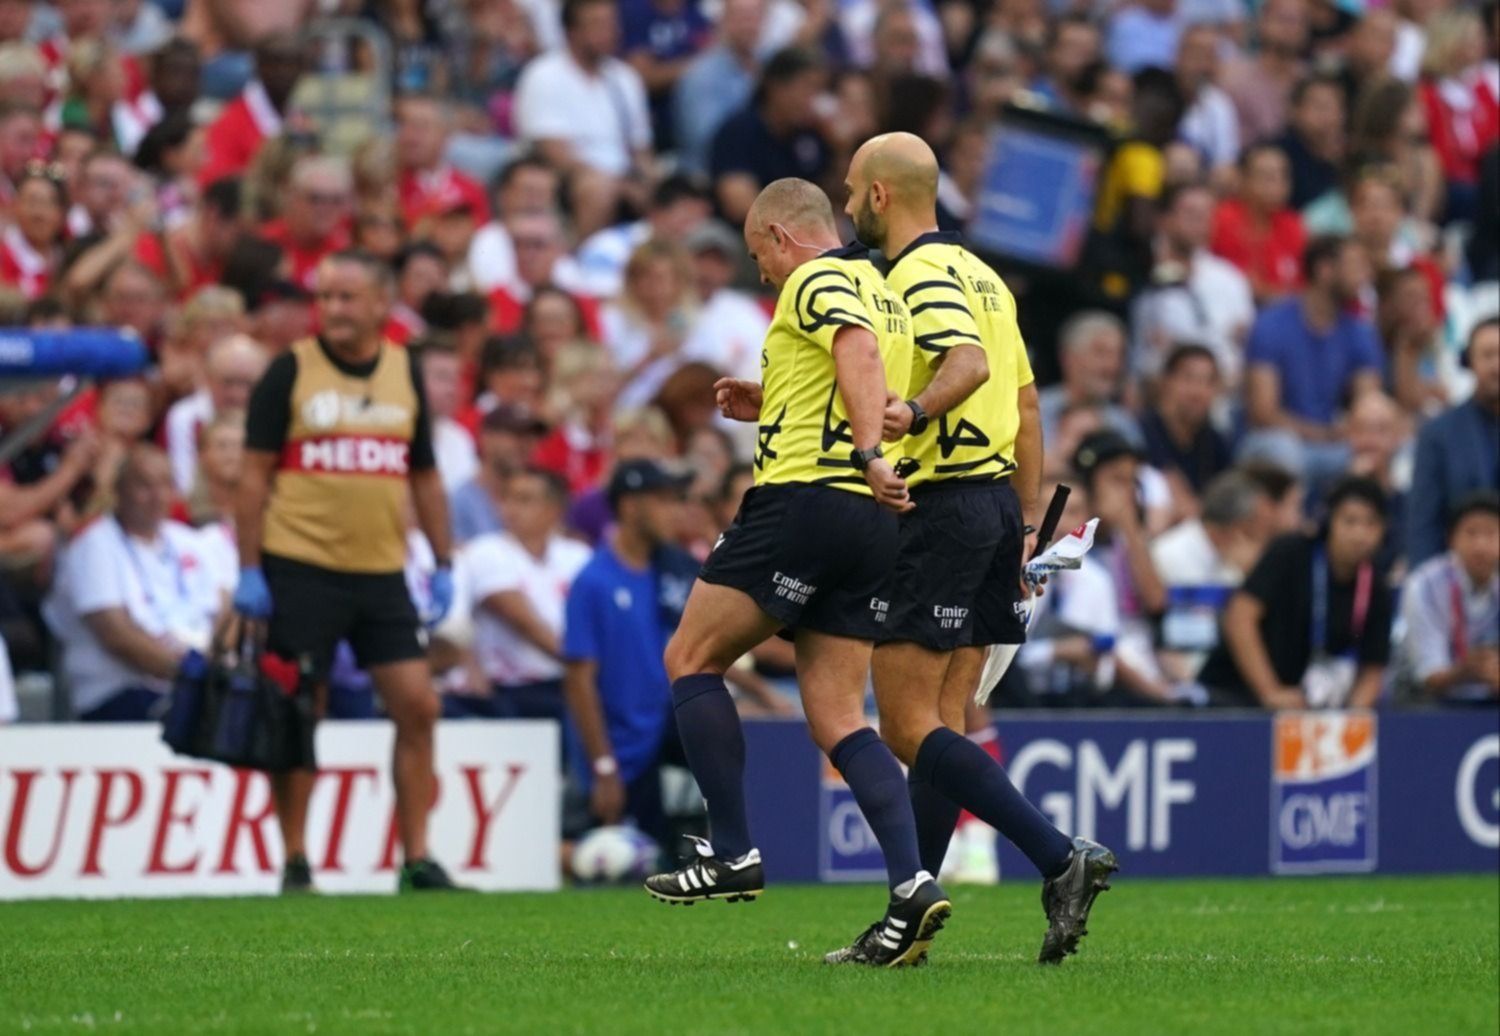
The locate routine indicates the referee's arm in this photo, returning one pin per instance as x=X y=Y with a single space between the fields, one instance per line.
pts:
x=1027 y=479
x=960 y=371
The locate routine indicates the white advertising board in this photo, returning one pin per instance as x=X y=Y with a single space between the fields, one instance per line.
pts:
x=110 y=811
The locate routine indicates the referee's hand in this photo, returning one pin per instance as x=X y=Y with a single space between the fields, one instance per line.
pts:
x=889 y=488
x=738 y=399
x=898 y=418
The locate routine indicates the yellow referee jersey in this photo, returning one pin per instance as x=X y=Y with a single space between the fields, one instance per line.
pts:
x=804 y=428
x=955 y=299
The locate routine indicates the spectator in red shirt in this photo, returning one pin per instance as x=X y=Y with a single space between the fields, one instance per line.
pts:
x=541 y=258
x=315 y=215
x=20 y=140
x=425 y=180
x=133 y=298
x=581 y=405
x=105 y=182
x=420 y=273
x=259 y=112
x=1378 y=215
x=1256 y=231
x=1463 y=116
x=31 y=247
x=196 y=249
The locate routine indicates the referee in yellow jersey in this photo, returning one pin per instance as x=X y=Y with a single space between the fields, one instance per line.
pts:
x=970 y=420
x=810 y=551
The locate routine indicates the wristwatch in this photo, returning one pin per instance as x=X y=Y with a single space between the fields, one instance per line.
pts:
x=919 y=418
x=861 y=458
x=605 y=766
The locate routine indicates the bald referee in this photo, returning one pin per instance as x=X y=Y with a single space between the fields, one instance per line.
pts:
x=970 y=420
x=336 y=438
x=808 y=552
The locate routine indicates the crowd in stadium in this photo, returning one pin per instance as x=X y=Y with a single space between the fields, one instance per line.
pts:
x=1278 y=353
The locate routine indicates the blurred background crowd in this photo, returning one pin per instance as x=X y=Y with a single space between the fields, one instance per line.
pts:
x=1273 y=372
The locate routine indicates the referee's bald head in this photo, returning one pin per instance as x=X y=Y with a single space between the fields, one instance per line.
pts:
x=790 y=222
x=904 y=163
x=892 y=177
x=793 y=203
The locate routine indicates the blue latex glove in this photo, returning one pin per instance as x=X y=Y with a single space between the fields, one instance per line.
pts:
x=252 y=597
x=440 y=590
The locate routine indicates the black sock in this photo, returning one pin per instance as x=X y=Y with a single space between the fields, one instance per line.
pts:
x=968 y=775
x=709 y=725
x=875 y=778
x=936 y=816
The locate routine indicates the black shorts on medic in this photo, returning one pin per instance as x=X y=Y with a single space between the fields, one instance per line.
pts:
x=313 y=608
x=958 y=570
x=814 y=557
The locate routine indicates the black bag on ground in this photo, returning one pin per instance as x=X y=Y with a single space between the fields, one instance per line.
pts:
x=231 y=710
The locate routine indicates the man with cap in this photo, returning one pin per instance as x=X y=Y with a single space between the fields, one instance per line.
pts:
x=623 y=606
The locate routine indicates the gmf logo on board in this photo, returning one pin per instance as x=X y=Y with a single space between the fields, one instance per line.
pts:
x=1323 y=793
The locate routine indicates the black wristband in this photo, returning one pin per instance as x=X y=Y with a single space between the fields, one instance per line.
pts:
x=919 y=418
x=861 y=458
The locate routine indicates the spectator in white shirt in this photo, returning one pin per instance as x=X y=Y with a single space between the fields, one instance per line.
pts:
x=233 y=367
x=645 y=330
x=442 y=379
x=1195 y=296
x=1210 y=123
x=679 y=205
x=221 y=454
x=730 y=325
x=540 y=249
x=527 y=185
x=1451 y=609
x=585 y=111
x=518 y=586
x=135 y=593
x=1202 y=561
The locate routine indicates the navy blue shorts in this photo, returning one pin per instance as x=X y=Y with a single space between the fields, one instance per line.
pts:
x=958 y=572
x=813 y=557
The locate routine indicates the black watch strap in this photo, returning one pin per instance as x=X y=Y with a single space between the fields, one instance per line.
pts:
x=861 y=458
x=919 y=418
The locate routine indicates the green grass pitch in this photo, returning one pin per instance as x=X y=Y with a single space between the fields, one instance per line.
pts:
x=1398 y=955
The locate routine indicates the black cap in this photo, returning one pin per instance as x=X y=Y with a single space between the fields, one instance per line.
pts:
x=1099 y=448
x=644 y=476
x=514 y=419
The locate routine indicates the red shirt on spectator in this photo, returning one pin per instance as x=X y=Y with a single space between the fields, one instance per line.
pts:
x=235 y=137
x=304 y=260
x=442 y=190
x=570 y=451
x=507 y=312
x=172 y=260
x=1271 y=256
x=1463 y=120
x=22 y=266
x=403 y=325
